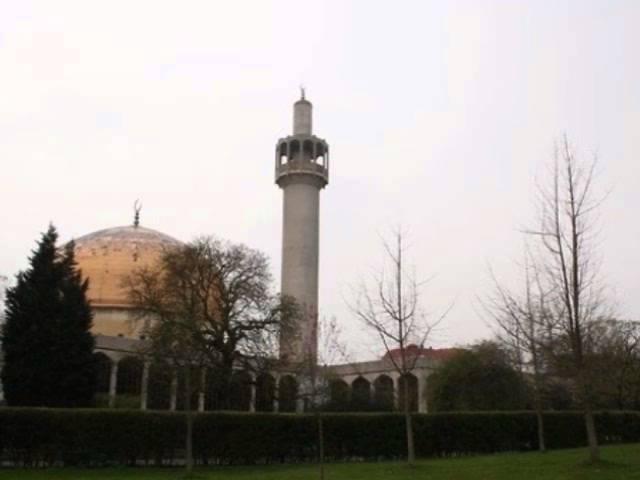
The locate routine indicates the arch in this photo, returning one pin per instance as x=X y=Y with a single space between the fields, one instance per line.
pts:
x=129 y=376
x=240 y=391
x=412 y=384
x=339 y=394
x=294 y=150
x=265 y=392
x=159 y=386
x=361 y=394
x=307 y=150
x=213 y=391
x=283 y=153
x=103 y=372
x=287 y=393
x=383 y=393
x=320 y=153
x=181 y=393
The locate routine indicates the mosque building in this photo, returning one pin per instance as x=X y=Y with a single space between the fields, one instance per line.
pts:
x=127 y=379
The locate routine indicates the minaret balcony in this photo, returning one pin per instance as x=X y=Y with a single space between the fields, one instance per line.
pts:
x=302 y=155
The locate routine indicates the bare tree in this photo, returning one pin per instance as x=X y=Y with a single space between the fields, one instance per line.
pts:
x=208 y=304
x=615 y=364
x=390 y=307
x=522 y=320
x=316 y=376
x=568 y=264
x=171 y=341
x=226 y=288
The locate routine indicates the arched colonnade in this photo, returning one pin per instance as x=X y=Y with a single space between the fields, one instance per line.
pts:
x=380 y=391
x=124 y=378
x=127 y=379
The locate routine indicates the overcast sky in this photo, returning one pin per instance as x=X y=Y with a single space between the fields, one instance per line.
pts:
x=439 y=116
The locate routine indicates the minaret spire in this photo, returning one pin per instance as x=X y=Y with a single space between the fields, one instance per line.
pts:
x=302 y=115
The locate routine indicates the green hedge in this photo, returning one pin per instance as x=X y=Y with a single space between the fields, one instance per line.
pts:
x=33 y=437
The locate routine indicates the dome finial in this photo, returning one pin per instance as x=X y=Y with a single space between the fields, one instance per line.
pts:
x=137 y=206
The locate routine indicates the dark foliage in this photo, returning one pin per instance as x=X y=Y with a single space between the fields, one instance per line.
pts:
x=477 y=379
x=46 y=340
x=36 y=437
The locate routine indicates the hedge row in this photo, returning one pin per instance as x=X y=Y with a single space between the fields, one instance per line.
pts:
x=116 y=437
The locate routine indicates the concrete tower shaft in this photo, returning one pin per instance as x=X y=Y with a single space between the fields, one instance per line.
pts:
x=302 y=170
x=302 y=117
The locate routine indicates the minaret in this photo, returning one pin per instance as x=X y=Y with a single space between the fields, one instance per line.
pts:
x=302 y=170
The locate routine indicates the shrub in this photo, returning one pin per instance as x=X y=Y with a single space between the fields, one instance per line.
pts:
x=96 y=437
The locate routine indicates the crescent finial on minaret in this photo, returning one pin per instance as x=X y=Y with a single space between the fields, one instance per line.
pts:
x=302 y=92
x=137 y=206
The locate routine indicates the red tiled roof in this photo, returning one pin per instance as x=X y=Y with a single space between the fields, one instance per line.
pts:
x=412 y=351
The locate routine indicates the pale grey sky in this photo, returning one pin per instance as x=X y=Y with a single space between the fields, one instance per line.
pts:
x=439 y=115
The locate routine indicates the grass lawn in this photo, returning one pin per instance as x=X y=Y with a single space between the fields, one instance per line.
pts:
x=619 y=462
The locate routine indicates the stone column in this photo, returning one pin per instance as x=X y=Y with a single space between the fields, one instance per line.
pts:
x=174 y=392
x=252 y=398
x=144 y=386
x=302 y=390
x=422 y=393
x=203 y=384
x=396 y=391
x=276 y=392
x=113 y=383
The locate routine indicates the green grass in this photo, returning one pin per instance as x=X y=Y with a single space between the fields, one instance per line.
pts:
x=619 y=462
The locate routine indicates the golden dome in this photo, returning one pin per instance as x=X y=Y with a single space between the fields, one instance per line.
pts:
x=107 y=256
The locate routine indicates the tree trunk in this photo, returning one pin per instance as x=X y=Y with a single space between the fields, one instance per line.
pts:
x=411 y=454
x=189 y=420
x=540 y=422
x=321 y=445
x=537 y=400
x=592 y=438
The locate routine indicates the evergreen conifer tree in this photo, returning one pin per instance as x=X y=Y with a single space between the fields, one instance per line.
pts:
x=46 y=338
